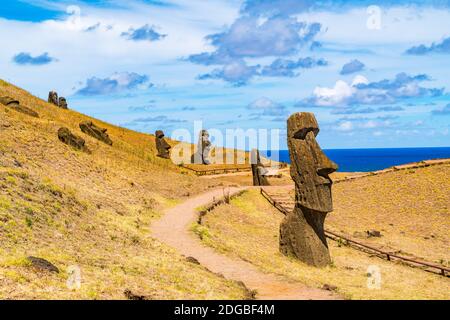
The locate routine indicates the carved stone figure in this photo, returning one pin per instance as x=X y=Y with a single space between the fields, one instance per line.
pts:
x=258 y=170
x=203 y=149
x=67 y=137
x=53 y=98
x=15 y=105
x=96 y=132
x=302 y=231
x=62 y=103
x=161 y=145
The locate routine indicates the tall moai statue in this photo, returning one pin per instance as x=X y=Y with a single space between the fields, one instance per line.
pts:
x=161 y=145
x=302 y=232
x=203 y=149
x=258 y=170
x=53 y=98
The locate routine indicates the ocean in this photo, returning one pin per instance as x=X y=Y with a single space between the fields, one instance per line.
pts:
x=365 y=160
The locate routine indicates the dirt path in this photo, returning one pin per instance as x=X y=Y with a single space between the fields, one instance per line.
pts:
x=173 y=229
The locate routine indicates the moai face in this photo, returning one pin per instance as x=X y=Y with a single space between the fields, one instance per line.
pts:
x=162 y=145
x=310 y=167
x=53 y=98
x=62 y=103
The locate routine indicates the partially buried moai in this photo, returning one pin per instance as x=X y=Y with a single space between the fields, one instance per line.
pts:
x=258 y=170
x=203 y=149
x=161 y=145
x=53 y=98
x=302 y=232
x=62 y=103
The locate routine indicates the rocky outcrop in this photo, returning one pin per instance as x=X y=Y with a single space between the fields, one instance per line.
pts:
x=161 y=145
x=258 y=170
x=96 y=132
x=15 y=105
x=302 y=232
x=67 y=137
x=203 y=149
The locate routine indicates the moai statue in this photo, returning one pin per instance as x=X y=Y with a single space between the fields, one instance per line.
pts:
x=258 y=170
x=302 y=230
x=161 y=145
x=96 y=132
x=67 y=137
x=203 y=149
x=53 y=98
x=62 y=103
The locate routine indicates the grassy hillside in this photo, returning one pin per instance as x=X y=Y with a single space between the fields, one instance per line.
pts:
x=249 y=229
x=90 y=210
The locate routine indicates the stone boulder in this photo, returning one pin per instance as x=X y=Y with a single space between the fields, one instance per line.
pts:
x=53 y=98
x=42 y=264
x=96 y=132
x=67 y=137
x=15 y=105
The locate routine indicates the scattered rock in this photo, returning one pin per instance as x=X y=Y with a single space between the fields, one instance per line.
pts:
x=53 y=98
x=302 y=232
x=329 y=287
x=96 y=132
x=192 y=260
x=131 y=296
x=42 y=264
x=373 y=233
x=62 y=103
x=70 y=139
x=161 y=145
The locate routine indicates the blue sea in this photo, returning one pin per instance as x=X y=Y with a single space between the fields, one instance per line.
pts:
x=365 y=160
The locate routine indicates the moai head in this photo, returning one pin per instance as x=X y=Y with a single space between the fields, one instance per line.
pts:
x=161 y=145
x=62 y=103
x=310 y=167
x=53 y=98
x=258 y=170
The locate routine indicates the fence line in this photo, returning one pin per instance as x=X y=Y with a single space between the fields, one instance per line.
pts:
x=389 y=256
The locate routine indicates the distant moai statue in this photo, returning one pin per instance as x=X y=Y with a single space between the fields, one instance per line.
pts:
x=302 y=232
x=258 y=170
x=62 y=103
x=96 y=132
x=53 y=98
x=203 y=149
x=161 y=145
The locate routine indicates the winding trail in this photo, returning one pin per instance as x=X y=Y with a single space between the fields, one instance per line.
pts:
x=173 y=230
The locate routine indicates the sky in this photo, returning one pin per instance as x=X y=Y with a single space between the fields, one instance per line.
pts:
x=375 y=76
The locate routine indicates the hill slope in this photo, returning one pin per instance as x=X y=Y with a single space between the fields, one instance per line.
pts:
x=90 y=210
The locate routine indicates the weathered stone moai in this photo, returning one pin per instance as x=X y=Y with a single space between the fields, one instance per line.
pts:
x=53 y=98
x=161 y=145
x=258 y=170
x=67 y=137
x=62 y=103
x=203 y=149
x=15 y=105
x=96 y=132
x=302 y=231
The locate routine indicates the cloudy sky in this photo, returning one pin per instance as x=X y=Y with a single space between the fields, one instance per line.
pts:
x=375 y=76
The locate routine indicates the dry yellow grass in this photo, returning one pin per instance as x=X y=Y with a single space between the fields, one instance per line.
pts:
x=409 y=207
x=90 y=210
x=248 y=228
